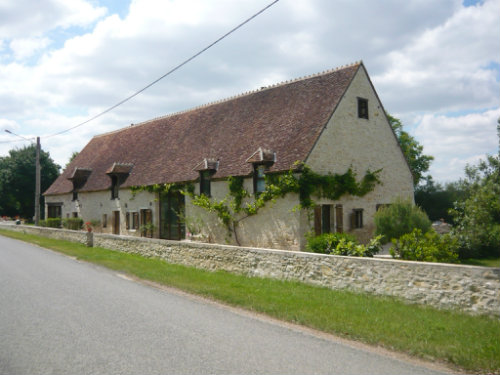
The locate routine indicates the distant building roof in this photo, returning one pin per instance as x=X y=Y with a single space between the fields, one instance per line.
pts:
x=283 y=121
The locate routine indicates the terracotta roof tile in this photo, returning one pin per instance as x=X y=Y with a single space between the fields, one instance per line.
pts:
x=286 y=119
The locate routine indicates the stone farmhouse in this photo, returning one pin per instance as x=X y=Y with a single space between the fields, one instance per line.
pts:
x=331 y=121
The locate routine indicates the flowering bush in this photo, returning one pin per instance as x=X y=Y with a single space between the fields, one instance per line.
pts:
x=88 y=226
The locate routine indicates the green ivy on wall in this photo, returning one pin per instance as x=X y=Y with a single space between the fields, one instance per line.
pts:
x=300 y=179
x=233 y=208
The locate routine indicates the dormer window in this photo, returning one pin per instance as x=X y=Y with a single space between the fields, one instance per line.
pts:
x=259 y=179
x=261 y=159
x=78 y=178
x=207 y=168
x=118 y=173
x=205 y=179
x=363 y=108
x=115 y=187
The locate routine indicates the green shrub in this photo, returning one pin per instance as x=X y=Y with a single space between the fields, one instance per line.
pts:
x=325 y=242
x=427 y=247
x=74 y=223
x=42 y=223
x=53 y=222
x=349 y=248
x=400 y=218
x=342 y=244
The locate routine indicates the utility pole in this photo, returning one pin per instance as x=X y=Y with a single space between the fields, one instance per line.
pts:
x=37 y=183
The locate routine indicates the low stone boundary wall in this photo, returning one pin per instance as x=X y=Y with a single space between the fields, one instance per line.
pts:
x=470 y=288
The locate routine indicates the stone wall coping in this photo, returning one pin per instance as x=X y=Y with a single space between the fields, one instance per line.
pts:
x=302 y=254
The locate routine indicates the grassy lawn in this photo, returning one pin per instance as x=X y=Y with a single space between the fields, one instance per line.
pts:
x=469 y=342
x=486 y=262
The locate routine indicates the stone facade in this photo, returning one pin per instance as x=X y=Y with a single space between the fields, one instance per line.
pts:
x=469 y=288
x=98 y=206
x=362 y=144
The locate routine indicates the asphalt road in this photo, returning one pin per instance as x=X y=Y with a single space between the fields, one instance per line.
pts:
x=62 y=316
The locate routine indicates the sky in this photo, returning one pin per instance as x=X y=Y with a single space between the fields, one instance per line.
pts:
x=435 y=64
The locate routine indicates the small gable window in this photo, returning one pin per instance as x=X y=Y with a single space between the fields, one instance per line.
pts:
x=259 y=179
x=363 y=108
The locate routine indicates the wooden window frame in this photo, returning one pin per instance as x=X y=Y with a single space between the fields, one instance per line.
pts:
x=363 y=108
x=206 y=182
x=54 y=210
x=323 y=218
x=357 y=220
x=257 y=177
x=115 y=187
x=135 y=220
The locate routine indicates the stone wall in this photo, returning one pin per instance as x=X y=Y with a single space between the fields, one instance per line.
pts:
x=470 y=288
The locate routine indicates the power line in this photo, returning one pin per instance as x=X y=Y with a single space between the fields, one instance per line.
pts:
x=166 y=74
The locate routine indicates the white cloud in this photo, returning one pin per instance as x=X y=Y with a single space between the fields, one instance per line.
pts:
x=471 y=136
x=23 y=48
x=27 y=18
x=446 y=67
x=426 y=59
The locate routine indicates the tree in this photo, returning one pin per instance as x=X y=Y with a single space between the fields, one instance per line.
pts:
x=477 y=218
x=412 y=149
x=17 y=180
x=71 y=158
x=437 y=199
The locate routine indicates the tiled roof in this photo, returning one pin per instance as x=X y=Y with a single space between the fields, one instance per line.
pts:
x=285 y=119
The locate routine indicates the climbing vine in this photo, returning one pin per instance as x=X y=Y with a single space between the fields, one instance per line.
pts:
x=300 y=179
x=233 y=209
x=163 y=188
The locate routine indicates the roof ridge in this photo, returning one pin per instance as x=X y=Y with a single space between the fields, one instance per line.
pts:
x=236 y=96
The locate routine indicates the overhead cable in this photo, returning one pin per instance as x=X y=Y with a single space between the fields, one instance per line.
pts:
x=166 y=74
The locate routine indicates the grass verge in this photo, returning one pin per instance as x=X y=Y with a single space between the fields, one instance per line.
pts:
x=469 y=342
x=485 y=262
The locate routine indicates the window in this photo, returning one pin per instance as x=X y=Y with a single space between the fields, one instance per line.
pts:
x=54 y=210
x=75 y=214
x=114 y=187
x=363 y=108
x=322 y=219
x=75 y=195
x=205 y=179
x=104 y=220
x=135 y=220
x=127 y=220
x=357 y=218
x=259 y=179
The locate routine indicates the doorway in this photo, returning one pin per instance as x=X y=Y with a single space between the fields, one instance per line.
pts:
x=116 y=222
x=172 y=211
x=146 y=223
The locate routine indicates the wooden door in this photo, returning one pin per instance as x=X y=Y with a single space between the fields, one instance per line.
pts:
x=146 y=223
x=116 y=222
x=171 y=214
